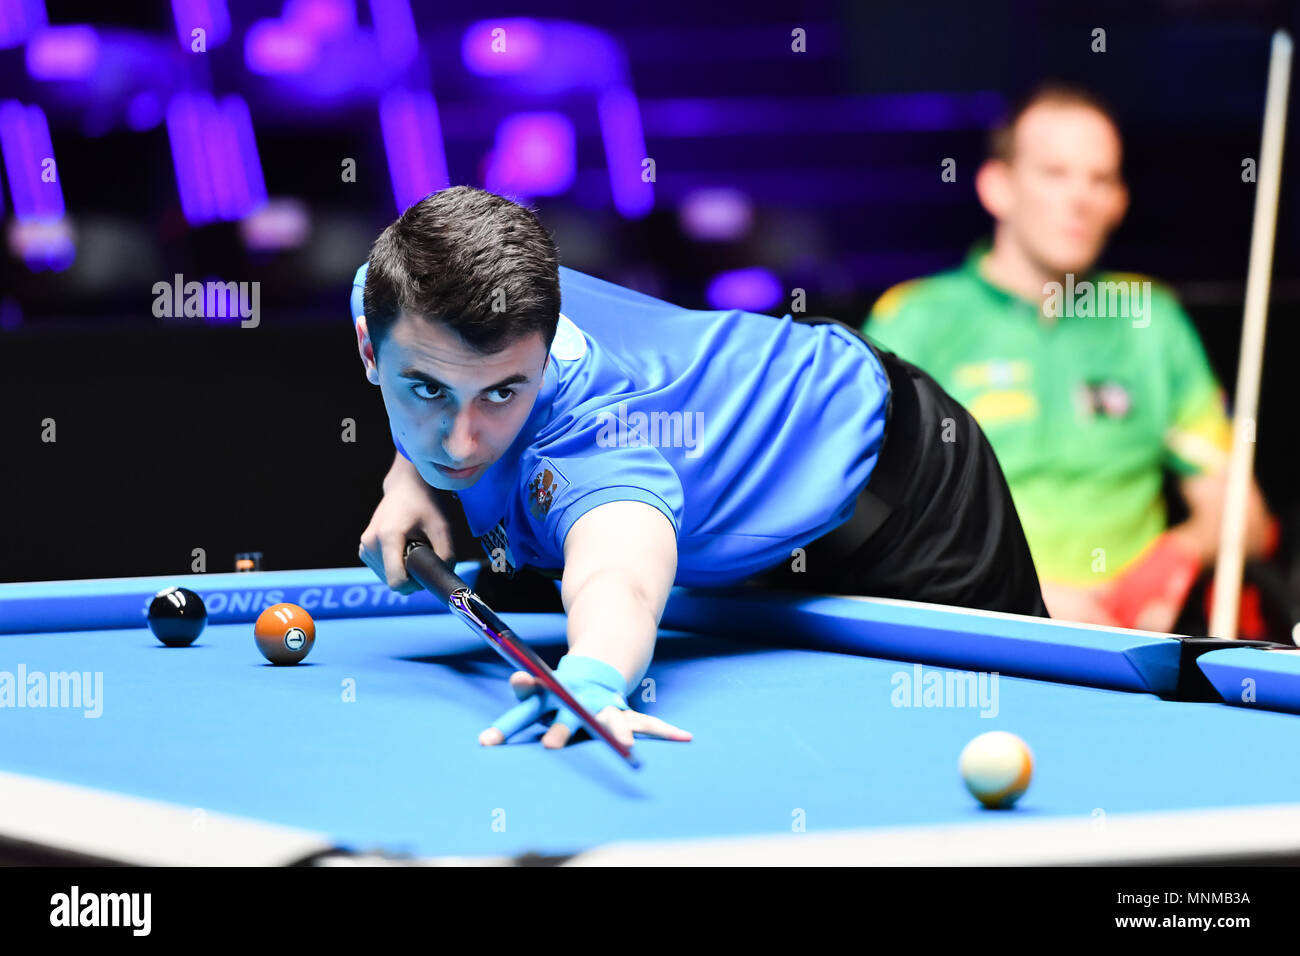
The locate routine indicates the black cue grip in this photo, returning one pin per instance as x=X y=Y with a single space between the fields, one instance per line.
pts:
x=431 y=572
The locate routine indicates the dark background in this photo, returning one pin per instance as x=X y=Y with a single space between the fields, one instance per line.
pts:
x=180 y=435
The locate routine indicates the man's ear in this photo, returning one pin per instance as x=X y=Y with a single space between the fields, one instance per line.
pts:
x=993 y=186
x=367 y=351
x=1120 y=207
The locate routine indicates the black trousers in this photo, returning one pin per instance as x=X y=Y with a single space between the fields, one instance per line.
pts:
x=936 y=521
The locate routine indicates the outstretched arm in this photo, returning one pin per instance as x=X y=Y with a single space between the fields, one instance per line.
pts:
x=620 y=560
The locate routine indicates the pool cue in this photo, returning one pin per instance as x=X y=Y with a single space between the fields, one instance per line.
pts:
x=1232 y=531
x=432 y=573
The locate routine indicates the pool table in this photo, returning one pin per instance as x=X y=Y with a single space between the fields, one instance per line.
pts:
x=827 y=730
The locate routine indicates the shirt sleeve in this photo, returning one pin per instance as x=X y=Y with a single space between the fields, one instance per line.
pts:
x=561 y=490
x=897 y=323
x=1199 y=435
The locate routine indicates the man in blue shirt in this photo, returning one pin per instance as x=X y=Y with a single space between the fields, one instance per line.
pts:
x=624 y=445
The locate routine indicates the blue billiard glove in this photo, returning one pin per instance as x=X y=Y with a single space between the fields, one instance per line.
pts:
x=593 y=683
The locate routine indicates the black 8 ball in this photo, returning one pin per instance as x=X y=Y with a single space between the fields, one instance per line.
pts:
x=177 y=616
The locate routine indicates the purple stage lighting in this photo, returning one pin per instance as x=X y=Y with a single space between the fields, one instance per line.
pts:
x=625 y=152
x=716 y=215
x=210 y=16
x=109 y=75
x=144 y=111
x=19 y=19
x=29 y=162
x=753 y=290
x=555 y=58
x=534 y=155
x=318 y=43
x=63 y=53
x=218 y=171
x=280 y=224
x=42 y=243
x=323 y=19
x=544 y=57
x=38 y=234
x=245 y=164
x=395 y=29
x=185 y=130
x=272 y=47
x=502 y=47
x=417 y=160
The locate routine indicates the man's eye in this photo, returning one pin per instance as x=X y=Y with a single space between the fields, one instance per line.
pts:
x=426 y=391
x=500 y=396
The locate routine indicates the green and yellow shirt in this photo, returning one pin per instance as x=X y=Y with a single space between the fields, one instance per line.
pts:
x=1084 y=411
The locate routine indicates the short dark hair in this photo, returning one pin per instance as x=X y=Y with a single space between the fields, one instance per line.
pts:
x=1002 y=137
x=471 y=259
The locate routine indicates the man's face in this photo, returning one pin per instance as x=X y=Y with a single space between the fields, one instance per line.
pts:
x=454 y=410
x=1062 y=194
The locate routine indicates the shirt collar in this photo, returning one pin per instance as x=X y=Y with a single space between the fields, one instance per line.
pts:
x=973 y=266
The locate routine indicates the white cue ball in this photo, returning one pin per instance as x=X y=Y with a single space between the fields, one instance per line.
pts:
x=996 y=768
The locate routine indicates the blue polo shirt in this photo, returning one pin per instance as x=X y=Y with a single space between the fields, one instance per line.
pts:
x=752 y=435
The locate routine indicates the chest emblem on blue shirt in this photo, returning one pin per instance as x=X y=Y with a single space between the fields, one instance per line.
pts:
x=497 y=546
x=543 y=487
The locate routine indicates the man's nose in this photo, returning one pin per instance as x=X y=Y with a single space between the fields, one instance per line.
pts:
x=459 y=442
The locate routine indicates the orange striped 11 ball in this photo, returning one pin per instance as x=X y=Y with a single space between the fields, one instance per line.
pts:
x=284 y=633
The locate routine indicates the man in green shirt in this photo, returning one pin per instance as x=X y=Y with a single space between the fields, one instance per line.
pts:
x=1087 y=384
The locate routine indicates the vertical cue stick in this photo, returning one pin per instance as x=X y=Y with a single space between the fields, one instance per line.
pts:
x=1231 y=557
